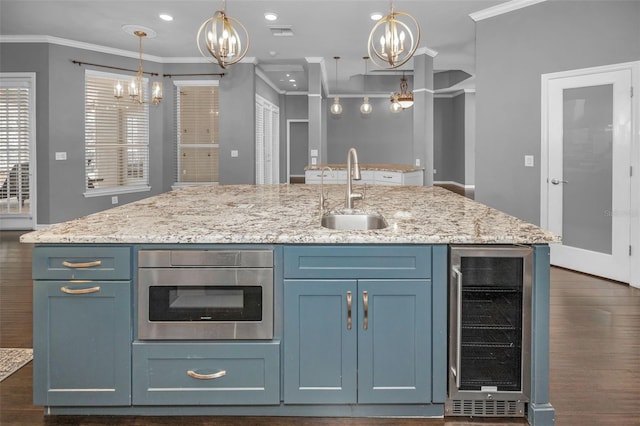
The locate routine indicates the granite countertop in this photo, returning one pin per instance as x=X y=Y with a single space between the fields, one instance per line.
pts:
x=290 y=214
x=404 y=168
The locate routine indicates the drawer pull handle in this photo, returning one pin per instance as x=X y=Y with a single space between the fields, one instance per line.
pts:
x=365 y=302
x=349 y=302
x=81 y=265
x=80 y=290
x=217 y=375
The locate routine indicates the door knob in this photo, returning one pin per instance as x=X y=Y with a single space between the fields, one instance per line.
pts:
x=557 y=182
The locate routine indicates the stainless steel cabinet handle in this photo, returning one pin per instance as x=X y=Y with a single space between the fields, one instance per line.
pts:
x=349 y=302
x=365 y=301
x=459 y=324
x=80 y=290
x=557 y=182
x=212 y=376
x=81 y=265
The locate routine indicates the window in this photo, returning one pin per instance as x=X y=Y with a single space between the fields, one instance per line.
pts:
x=197 y=110
x=116 y=138
x=17 y=150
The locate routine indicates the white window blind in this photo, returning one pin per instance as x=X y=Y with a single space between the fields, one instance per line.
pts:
x=267 y=141
x=116 y=137
x=198 y=128
x=15 y=143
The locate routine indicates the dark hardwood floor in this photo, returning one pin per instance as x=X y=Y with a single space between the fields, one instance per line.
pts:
x=595 y=357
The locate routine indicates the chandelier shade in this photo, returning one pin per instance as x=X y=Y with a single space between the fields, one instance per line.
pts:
x=224 y=38
x=394 y=39
x=135 y=86
x=404 y=98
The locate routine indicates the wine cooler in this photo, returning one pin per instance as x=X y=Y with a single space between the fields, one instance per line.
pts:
x=489 y=330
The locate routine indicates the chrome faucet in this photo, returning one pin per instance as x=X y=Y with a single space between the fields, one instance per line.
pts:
x=353 y=173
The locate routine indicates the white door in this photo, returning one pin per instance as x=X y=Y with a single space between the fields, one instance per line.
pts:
x=17 y=150
x=587 y=135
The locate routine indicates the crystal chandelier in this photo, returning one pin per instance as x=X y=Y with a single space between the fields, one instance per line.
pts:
x=135 y=89
x=403 y=99
x=391 y=41
x=336 y=108
x=226 y=44
x=366 y=107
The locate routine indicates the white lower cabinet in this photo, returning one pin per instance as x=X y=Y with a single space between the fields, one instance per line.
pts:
x=370 y=177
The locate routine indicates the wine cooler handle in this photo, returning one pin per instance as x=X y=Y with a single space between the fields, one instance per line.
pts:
x=365 y=301
x=349 y=302
x=459 y=322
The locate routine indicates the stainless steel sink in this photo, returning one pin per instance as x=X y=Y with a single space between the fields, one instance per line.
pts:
x=353 y=220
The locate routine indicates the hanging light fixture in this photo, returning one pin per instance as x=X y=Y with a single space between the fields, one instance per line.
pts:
x=366 y=107
x=403 y=99
x=222 y=40
x=336 y=108
x=391 y=41
x=136 y=92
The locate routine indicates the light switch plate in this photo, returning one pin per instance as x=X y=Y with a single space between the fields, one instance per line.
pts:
x=528 y=161
x=314 y=152
x=417 y=162
x=234 y=152
x=61 y=156
x=114 y=199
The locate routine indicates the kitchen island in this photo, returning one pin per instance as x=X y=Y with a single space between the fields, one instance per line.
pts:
x=327 y=356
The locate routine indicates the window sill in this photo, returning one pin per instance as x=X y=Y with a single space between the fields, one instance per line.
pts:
x=179 y=185
x=116 y=191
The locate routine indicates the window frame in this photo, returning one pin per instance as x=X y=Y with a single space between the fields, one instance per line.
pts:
x=178 y=84
x=118 y=189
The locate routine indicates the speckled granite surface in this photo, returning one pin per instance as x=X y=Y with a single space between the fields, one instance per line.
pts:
x=365 y=166
x=291 y=214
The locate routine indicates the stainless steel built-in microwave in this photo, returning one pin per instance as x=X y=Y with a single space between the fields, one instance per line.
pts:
x=205 y=294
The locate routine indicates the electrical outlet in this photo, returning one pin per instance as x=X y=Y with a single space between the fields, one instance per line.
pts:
x=314 y=161
x=61 y=156
x=435 y=171
x=528 y=160
x=417 y=162
x=114 y=199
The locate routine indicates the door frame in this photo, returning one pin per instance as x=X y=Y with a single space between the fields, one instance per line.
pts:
x=634 y=212
x=6 y=222
x=289 y=121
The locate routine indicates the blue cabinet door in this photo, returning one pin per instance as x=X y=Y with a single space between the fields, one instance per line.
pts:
x=82 y=343
x=320 y=345
x=394 y=341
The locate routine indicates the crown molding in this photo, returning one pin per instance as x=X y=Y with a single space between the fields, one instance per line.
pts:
x=426 y=51
x=502 y=8
x=78 y=45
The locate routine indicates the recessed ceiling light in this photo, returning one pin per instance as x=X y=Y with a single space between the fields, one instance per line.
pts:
x=376 y=16
x=292 y=80
x=166 y=17
x=270 y=16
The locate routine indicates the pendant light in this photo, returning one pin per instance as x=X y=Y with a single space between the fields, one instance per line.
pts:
x=403 y=99
x=391 y=41
x=135 y=85
x=366 y=107
x=226 y=44
x=336 y=108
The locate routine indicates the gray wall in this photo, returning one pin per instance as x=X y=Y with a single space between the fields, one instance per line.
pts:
x=60 y=124
x=512 y=51
x=379 y=137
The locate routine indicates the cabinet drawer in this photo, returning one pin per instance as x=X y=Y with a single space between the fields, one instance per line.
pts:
x=388 y=178
x=206 y=373
x=357 y=261
x=81 y=263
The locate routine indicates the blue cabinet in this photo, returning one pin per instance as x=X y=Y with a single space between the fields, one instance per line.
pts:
x=352 y=337
x=82 y=327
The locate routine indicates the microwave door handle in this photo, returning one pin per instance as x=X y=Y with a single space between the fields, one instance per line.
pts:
x=458 y=274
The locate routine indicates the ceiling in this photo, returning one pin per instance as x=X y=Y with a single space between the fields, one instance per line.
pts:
x=321 y=28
